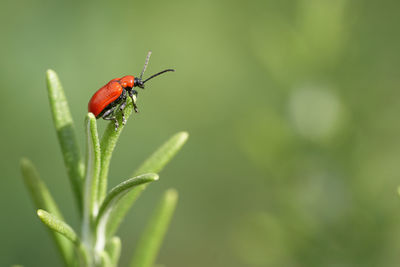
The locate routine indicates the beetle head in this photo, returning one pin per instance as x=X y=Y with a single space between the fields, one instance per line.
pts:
x=139 y=82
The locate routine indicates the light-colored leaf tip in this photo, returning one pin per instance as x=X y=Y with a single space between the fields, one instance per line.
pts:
x=184 y=135
x=50 y=72
x=171 y=195
x=58 y=225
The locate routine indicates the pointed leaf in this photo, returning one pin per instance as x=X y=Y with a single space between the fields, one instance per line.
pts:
x=150 y=242
x=90 y=191
x=43 y=200
x=93 y=161
x=108 y=142
x=58 y=226
x=105 y=259
x=120 y=190
x=112 y=199
x=121 y=208
x=66 y=134
x=155 y=163
x=114 y=250
x=37 y=188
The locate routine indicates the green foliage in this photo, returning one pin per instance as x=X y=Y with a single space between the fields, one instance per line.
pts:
x=292 y=110
x=58 y=225
x=150 y=242
x=66 y=134
x=155 y=163
x=108 y=142
x=115 y=195
x=101 y=213
x=42 y=199
x=113 y=249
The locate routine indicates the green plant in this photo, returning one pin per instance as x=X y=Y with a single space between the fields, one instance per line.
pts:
x=101 y=213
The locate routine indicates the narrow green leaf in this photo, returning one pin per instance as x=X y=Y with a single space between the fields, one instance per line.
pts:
x=120 y=190
x=155 y=163
x=112 y=199
x=150 y=242
x=58 y=226
x=108 y=142
x=105 y=259
x=43 y=200
x=66 y=134
x=113 y=248
x=37 y=188
x=84 y=256
x=122 y=207
x=93 y=161
x=91 y=187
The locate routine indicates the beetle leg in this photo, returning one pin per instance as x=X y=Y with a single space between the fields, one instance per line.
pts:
x=115 y=121
x=109 y=115
x=108 y=112
x=121 y=108
x=133 y=95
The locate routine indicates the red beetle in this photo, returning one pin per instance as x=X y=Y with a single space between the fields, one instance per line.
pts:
x=114 y=94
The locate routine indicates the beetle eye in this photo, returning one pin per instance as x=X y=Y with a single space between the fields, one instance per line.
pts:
x=140 y=84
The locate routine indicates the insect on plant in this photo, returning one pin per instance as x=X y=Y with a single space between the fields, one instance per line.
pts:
x=107 y=99
x=102 y=209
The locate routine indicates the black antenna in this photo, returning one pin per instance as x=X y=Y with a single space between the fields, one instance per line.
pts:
x=145 y=64
x=161 y=72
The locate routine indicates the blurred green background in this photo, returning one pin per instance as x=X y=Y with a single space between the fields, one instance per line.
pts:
x=292 y=109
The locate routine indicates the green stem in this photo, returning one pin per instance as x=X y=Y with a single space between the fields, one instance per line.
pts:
x=90 y=208
x=108 y=142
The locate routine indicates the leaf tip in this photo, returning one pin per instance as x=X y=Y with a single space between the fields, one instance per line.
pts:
x=41 y=213
x=184 y=135
x=27 y=169
x=24 y=162
x=116 y=240
x=51 y=74
x=171 y=195
x=90 y=116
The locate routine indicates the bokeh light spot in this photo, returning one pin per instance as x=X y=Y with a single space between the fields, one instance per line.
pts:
x=315 y=112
